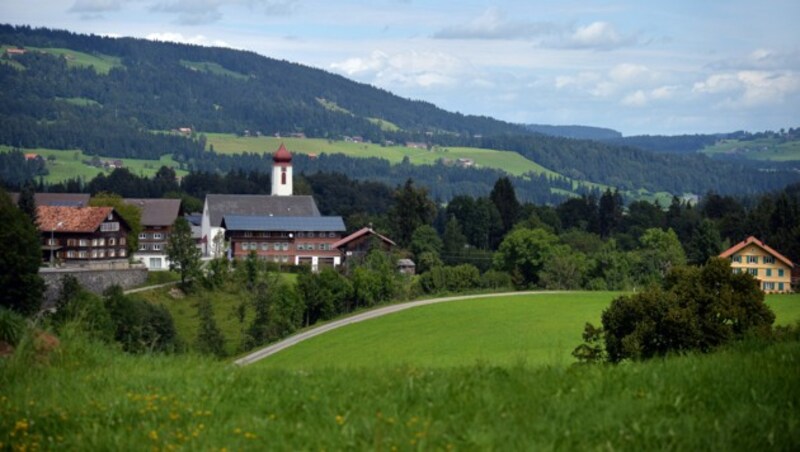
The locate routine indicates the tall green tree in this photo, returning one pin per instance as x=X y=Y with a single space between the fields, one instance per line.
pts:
x=27 y=201
x=523 y=254
x=412 y=208
x=453 y=242
x=505 y=199
x=130 y=213
x=21 y=287
x=705 y=242
x=209 y=337
x=609 y=214
x=182 y=253
x=425 y=240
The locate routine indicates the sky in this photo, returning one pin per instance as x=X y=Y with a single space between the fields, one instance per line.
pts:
x=636 y=66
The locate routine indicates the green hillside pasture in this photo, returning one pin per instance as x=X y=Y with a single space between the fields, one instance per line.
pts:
x=510 y=162
x=91 y=397
x=224 y=301
x=533 y=330
x=69 y=164
x=80 y=101
x=213 y=68
x=761 y=149
x=102 y=63
x=384 y=124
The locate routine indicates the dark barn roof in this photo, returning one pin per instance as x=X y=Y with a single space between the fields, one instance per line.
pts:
x=156 y=212
x=260 y=205
x=289 y=224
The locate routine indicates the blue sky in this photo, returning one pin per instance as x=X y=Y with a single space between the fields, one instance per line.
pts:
x=653 y=67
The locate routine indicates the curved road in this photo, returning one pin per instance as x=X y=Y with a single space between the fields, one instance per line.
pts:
x=379 y=312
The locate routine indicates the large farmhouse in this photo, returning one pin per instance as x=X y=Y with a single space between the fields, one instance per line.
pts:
x=158 y=215
x=81 y=235
x=769 y=267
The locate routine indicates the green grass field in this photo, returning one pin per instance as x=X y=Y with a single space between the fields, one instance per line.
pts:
x=69 y=164
x=761 y=149
x=102 y=63
x=213 y=68
x=87 y=396
x=534 y=330
x=510 y=162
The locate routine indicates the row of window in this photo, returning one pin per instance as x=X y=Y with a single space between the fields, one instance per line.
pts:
x=284 y=246
x=93 y=254
x=155 y=236
x=754 y=271
x=771 y=286
x=149 y=246
x=102 y=241
x=301 y=235
x=753 y=259
x=111 y=226
x=312 y=247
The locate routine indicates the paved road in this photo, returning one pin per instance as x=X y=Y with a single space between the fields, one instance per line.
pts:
x=296 y=339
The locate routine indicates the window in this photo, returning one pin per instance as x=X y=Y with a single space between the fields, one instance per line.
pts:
x=101 y=253
x=248 y=234
x=82 y=254
x=72 y=242
x=155 y=262
x=780 y=286
x=301 y=247
x=122 y=253
x=736 y=258
x=753 y=271
x=101 y=242
x=156 y=247
x=265 y=246
x=245 y=245
x=110 y=227
x=780 y=272
x=71 y=254
x=283 y=176
x=331 y=234
x=752 y=259
x=122 y=240
x=276 y=246
x=94 y=254
x=285 y=246
x=769 y=259
x=84 y=242
x=158 y=236
x=110 y=217
x=52 y=242
x=769 y=286
x=310 y=247
x=112 y=252
x=112 y=241
x=142 y=235
x=143 y=247
x=253 y=246
x=311 y=235
x=301 y=235
x=284 y=259
x=736 y=271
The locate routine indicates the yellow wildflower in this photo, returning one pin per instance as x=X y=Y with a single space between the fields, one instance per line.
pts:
x=339 y=419
x=153 y=435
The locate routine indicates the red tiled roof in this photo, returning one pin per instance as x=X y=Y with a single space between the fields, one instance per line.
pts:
x=739 y=246
x=71 y=219
x=282 y=155
x=360 y=233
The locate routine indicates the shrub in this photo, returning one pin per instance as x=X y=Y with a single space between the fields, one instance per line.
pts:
x=85 y=309
x=450 y=279
x=12 y=326
x=494 y=279
x=138 y=325
x=698 y=308
x=209 y=337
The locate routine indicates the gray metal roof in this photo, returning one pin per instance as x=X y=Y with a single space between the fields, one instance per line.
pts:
x=156 y=211
x=288 y=224
x=260 y=205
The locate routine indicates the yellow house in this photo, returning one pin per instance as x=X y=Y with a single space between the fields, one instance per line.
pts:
x=770 y=267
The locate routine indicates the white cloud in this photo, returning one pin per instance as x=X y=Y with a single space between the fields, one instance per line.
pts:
x=493 y=24
x=599 y=35
x=180 y=38
x=201 y=12
x=751 y=88
x=629 y=73
x=636 y=99
x=421 y=69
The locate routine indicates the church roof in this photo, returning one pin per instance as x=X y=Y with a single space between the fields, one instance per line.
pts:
x=259 y=205
x=288 y=224
x=282 y=155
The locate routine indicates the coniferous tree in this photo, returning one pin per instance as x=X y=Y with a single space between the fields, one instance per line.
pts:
x=27 y=201
x=209 y=337
x=21 y=287
x=505 y=199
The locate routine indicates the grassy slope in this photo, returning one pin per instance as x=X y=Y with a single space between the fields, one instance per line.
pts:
x=213 y=68
x=510 y=162
x=94 y=398
x=102 y=63
x=534 y=330
x=762 y=149
x=66 y=166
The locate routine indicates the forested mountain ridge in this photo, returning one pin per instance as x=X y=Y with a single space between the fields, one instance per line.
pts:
x=114 y=96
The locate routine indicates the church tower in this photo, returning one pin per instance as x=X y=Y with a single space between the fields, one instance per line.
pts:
x=282 y=172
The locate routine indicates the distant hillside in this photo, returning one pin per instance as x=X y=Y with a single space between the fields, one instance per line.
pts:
x=138 y=99
x=581 y=132
x=676 y=144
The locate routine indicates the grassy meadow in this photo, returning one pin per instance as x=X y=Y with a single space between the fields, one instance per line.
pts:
x=69 y=164
x=762 y=149
x=87 y=396
x=102 y=63
x=531 y=330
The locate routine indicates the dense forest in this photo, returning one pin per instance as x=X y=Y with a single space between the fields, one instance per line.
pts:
x=580 y=132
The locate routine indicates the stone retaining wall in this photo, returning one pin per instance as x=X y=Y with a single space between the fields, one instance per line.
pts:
x=93 y=280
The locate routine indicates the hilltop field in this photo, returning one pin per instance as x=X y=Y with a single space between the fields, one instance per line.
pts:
x=94 y=397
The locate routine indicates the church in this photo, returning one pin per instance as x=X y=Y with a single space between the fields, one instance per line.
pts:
x=280 y=227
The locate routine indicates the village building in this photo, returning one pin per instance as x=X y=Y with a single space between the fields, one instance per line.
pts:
x=285 y=240
x=354 y=247
x=158 y=215
x=81 y=235
x=769 y=267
